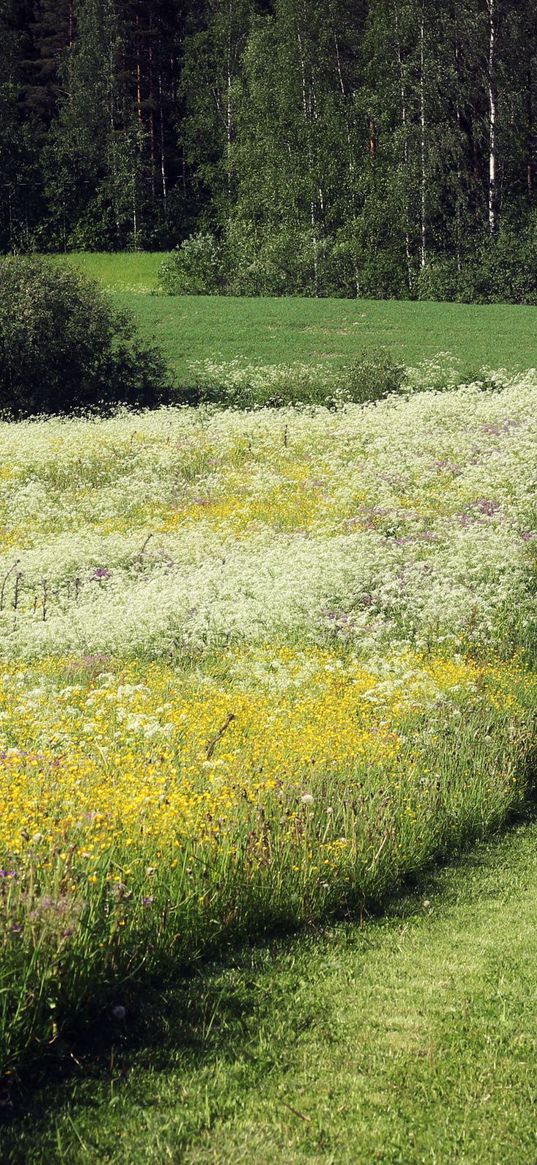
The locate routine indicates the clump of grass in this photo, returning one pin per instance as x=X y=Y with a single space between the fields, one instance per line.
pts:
x=368 y=377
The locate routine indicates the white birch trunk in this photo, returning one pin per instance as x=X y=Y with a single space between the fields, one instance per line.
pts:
x=459 y=174
x=491 y=5
x=134 y=213
x=162 y=148
x=402 y=90
x=307 y=120
x=111 y=115
x=229 y=106
x=423 y=144
x=352 y=166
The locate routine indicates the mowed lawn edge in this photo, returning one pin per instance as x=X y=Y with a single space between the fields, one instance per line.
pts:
x=410 y=1037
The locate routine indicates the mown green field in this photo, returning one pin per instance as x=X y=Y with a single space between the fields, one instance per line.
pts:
x=335 y=331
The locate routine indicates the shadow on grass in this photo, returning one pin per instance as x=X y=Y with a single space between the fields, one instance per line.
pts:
x=210 y=1013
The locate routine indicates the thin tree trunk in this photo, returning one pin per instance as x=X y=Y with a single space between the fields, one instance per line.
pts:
x=492 y=210
x=351 y=161
x=162 y=146
x=423 y=146
x=229 y=105
x=113 y=149
x=139 y=113
x=530 y=164
x=152 y=103
x=10 y=217
x=134 y=213
x=307 y=120
x=402 y=90
x=459 y=172
x=338 y=66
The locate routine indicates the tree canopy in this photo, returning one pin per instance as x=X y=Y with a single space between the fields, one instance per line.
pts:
x=329 y=146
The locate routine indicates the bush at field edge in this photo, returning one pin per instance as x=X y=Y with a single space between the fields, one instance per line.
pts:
x=64 y=347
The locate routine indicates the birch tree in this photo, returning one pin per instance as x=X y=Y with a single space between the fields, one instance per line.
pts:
x=297 y=152
x=209 y=88
x=492 y=6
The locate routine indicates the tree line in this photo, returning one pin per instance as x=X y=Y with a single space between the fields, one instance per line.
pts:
x=348 y=147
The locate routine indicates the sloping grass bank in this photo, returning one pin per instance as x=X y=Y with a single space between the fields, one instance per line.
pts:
x=134 y=272
x=408 y=1039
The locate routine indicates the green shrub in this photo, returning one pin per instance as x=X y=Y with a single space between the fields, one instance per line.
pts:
x=279 y=261
x=441 y=279
x=64 y=347
x=370 y=378
x=197 y=267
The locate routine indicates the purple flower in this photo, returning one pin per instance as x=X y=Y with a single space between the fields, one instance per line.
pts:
x=448 y=466
x=496 y=429
x=8 y=873
x=100 y=573
x=487 y=506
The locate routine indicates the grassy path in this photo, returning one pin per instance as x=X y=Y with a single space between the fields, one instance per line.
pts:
x=410 y=1039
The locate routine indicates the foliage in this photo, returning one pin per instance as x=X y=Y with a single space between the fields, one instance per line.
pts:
x=197 y=267
x=238 y=385
x=63 y=346
x=371 y=377
x=287 y=261
x=246 y=386
x=340 y=149
x=502 y=271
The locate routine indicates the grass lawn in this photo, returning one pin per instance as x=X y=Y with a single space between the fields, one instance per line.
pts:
x=133 y=271
x=273 y=331
x=408 y=1039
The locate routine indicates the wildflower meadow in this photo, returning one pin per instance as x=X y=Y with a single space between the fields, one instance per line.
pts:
x=257 y=668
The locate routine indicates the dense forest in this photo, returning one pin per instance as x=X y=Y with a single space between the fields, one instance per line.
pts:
x=323 y=146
